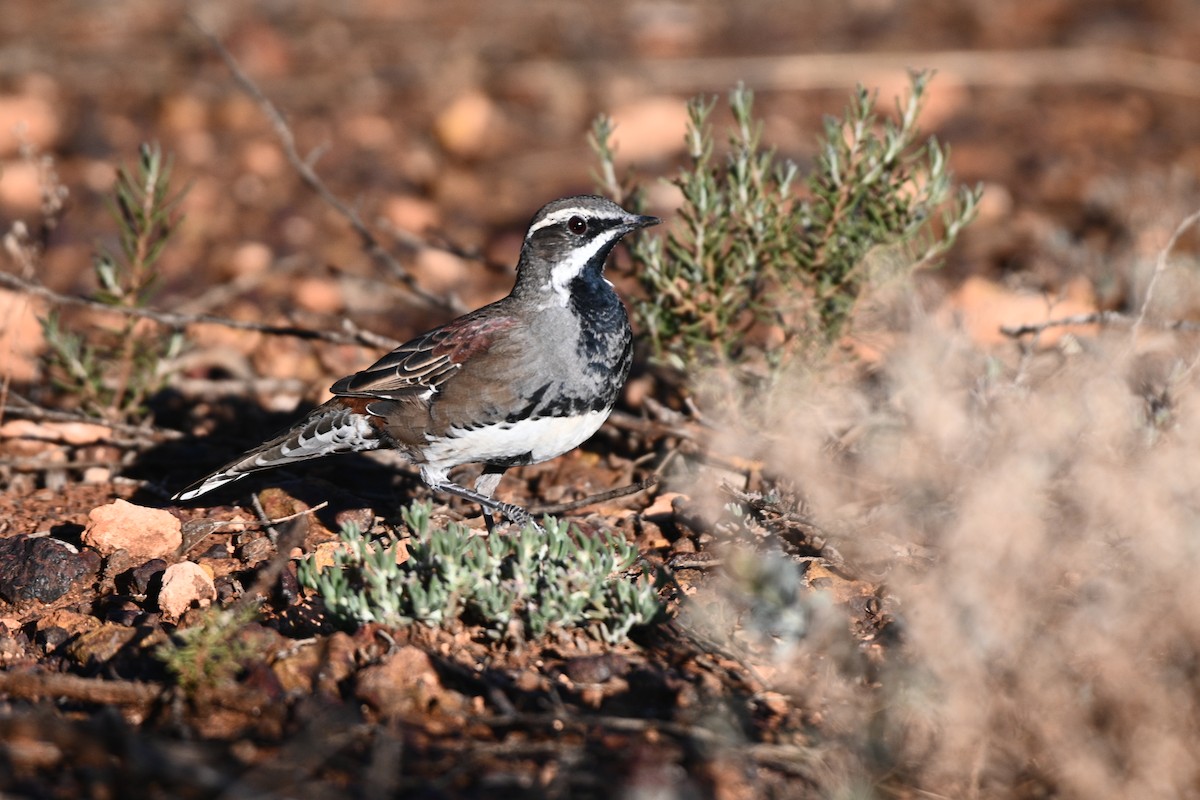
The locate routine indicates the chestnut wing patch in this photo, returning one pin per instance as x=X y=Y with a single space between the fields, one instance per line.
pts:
x=465 y=338
x=419 y=367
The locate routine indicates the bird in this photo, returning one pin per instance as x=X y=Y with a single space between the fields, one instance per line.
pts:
x=519 y=381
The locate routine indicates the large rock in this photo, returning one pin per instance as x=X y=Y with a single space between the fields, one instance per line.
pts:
x=144 y=533
x=41 y=568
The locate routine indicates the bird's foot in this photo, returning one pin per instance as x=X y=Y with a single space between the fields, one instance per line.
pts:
x=517 y=515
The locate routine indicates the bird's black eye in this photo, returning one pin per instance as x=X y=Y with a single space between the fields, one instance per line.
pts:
x=577 y=225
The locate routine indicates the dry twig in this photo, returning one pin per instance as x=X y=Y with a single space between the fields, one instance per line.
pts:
x=1074 y=66
x=306 y=172
x=19 y=406
x=1160 y=266
x=611 y=494
x=197 y=530
x=173 y=320
x=1095 y=318
x=34 y=685
x=794 y=759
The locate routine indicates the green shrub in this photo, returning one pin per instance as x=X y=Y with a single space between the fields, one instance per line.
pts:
x=526 y=583
x=762 y=260
x=114 y=373
x=210 y=653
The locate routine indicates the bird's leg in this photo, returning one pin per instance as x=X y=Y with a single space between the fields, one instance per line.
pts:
x=514 y=513
x=486 y=484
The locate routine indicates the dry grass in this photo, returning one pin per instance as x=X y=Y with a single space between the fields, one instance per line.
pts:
x=1037 y=522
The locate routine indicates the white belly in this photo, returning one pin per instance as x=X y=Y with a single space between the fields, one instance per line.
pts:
x=542 y=438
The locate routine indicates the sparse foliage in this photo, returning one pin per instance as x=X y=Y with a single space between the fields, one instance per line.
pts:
x=210 y=653
x=765 y=260
x=114 y=374
x=526 y=583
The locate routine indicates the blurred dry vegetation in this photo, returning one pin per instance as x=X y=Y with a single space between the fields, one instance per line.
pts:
x=950 y=557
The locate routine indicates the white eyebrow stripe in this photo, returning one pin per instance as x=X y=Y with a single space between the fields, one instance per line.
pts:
x=555 y=217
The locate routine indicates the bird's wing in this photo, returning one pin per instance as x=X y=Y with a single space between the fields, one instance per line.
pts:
x=418 y=369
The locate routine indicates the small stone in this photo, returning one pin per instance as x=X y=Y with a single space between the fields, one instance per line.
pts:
x=362 y=518
x=219 y=567
x=529 y=681
x=338 y=662
x=21 y=188
x=467 y=128
x=412 y=214
x=14 y=647
x=147 y=577
x=95 y=475
x=76 y=433
x=683 y=545
x=649 y=129
x=21 y=338
x=185 y=585
x=276 y=504
x=373 y=131
x=251 y=258
x=228 y=589
x=50 y=638
x=41 y=569
x=144 y=533
x=442 y=272
x=81 y=433
x=663 y=508
x=288 y=588
x=98 y=646
x=262 y=157
x=73 y=622
x=318 y=294
x=218 y=551
x=405 y=683
x=257 y=550
x=596 y=669
x=324 y=554
x=30 y=118
x=296 y=671
x=120 y=610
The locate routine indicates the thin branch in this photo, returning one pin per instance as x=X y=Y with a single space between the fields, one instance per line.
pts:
x=611 y=494
x=306 y=172
x=207 y=388
x=651 y=428
x=222 y=294
x=35 y=685
x=1096 y=318
x=26 y=409
x=353 y=335
x=1160 y=267
x=1069 y=66
x=197 y=530
x=798 y=760
x=35 y=464
x=268 y=575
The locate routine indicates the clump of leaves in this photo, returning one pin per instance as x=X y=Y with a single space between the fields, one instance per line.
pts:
x=765 y=260
x=114 y=372
x=209 y=653
x=523 y=584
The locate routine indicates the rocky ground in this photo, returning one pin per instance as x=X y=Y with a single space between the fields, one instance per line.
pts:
x=441 y=128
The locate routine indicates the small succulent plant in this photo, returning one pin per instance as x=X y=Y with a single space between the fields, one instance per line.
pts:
x=522 y=584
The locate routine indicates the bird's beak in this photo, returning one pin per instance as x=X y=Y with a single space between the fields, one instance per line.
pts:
x=643 y=222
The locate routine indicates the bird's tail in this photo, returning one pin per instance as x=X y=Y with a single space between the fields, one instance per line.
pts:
x=332 y=428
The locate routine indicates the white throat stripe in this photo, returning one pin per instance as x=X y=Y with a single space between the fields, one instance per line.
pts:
x=568 y=269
